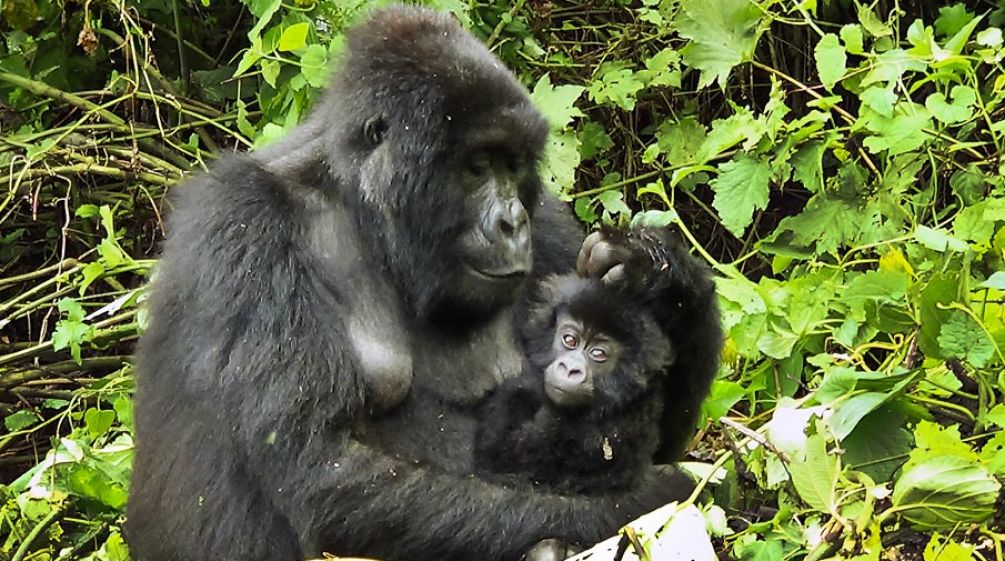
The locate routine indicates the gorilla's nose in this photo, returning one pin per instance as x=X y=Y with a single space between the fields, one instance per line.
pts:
x=508 y=223
x=571 y=371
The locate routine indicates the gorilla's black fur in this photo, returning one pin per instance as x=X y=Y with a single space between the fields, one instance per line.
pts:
x=356 y=282
x=597 y=442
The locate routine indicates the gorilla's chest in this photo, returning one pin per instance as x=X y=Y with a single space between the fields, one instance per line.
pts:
x=436 y=422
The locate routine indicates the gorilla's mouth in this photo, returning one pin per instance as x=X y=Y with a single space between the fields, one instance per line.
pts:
x=517 y=273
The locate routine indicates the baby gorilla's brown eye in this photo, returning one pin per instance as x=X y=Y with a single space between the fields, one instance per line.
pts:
x=598 y=355
x=570 y=341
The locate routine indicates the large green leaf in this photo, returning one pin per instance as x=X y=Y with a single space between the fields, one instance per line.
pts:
x=815 y=476
x=722 y=33
x=741 y=187
x=945 y=491
x=831 y=60
x=557 y=103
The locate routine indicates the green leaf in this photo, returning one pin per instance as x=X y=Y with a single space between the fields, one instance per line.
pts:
x=825 y=223
x=585 y=211
x=952 y=19
x=20 y=420
x=831 y=60
x=726 y=133
x=98 y=421
x=740 y=290
x=263 y=10
x=616 y=84
x=815 y=476
x=557 y=103
x=654 y=218
x=86 y=211
x=723 y=396
x=741 y=187
x=888 y=286
x=777 y=343
x=294 y=37
x=956 y=43
x=990 y=37
x=851 y=35
x=314 y=65
x=996 y=416
x=663 y=69
x=993 y=454
x=996 y=281
x=944 y=549
x=945 y=491
x=903 y=133
x=680 y=140
x=891 y=66
x=878 y=444
x=613 y=203
x=807 y=166
x=561 y=158
x=880 y=99
x=958 y=111
x=722 y=34
x=849 y=412
x=270 y=71
x=252 y=55
x=593 y=140
x=962 y=338
x=941 y=291
x=870 y=22
x=73 y=310
x=934 y=440
x=938 y=239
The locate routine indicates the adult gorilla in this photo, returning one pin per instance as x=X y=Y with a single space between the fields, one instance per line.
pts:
x=305 y=290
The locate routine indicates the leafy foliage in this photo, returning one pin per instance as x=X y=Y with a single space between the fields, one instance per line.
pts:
x=837 y=163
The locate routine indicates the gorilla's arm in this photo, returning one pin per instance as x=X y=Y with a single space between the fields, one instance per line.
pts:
x=656 y=269
x=557 y=236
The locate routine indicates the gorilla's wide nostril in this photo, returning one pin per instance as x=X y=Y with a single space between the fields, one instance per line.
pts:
x=506 y=227
x=511 y=219
x=575 y=375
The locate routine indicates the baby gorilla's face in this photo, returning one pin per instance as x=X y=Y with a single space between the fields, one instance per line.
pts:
x=581 y=355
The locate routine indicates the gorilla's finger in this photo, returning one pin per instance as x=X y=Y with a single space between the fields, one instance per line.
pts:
x=584 y=253
x=615 y=276
x=604 y=257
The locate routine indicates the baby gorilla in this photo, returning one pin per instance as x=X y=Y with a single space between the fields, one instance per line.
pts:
x=584 y=416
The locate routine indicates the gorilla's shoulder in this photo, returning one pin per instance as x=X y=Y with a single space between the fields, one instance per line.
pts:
x=237 y=199
x=235 y=179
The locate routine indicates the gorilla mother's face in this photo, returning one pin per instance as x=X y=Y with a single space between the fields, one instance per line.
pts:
x=499 y=185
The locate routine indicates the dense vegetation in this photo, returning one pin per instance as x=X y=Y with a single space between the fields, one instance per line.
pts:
x=838 y=163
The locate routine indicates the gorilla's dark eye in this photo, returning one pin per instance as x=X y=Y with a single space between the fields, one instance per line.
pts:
x=570 y=340
x=373 y=131
x=479 y=164
x=598 y=354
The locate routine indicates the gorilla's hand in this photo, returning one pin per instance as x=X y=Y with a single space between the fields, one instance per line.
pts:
x=603 y=258
x=637 y=260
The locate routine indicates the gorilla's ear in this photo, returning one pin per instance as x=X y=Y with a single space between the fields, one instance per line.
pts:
x=373 y=130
